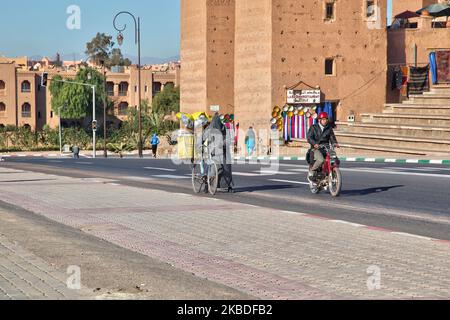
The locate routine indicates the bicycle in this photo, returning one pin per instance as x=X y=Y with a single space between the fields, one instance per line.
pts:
x=205 y=173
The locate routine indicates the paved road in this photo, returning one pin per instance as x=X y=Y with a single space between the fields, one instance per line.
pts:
x=259 y=251
x=402 y=197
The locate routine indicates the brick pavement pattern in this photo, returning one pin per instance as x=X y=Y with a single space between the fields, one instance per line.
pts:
x=267 y=253
x=24 y=276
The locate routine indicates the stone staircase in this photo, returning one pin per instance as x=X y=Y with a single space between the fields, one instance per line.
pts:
x=418 y=126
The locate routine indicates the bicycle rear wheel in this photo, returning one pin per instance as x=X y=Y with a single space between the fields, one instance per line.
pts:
x=213 y=178
x=198 y=181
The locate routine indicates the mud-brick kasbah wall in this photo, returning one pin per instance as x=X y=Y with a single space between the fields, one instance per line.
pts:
x=220 y=54
x=278 y=43
x=253 y=67
x=207 y=52
x=303 y=39
x=193 y=55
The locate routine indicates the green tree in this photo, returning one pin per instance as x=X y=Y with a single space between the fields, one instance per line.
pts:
x=116 y=59
x=77 y=99
x=100 y=51
x=167 y=101
x=99 y=48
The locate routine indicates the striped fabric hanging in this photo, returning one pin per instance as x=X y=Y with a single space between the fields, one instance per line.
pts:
x=286 y=128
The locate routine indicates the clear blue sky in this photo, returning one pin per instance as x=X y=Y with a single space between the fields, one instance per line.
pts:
x=389 y=10
x=31 y=27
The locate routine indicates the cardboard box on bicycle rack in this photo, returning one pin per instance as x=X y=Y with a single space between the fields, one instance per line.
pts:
x=185 y=145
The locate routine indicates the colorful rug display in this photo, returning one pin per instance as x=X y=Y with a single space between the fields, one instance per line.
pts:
x=443 y=66
x=296 y=121
x=418 y=80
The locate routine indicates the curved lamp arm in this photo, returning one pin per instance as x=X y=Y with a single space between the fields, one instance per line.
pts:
x=125 y=26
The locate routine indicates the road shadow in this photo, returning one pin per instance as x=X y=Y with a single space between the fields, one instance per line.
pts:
x=264 y=188
x=364 y=192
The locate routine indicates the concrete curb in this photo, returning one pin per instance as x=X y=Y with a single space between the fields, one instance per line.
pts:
x=348 y=159
x=252 y=159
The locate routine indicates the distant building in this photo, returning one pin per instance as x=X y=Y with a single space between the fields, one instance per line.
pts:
x=24 y=103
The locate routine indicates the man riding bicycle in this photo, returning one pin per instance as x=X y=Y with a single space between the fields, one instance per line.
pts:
x=320 y=134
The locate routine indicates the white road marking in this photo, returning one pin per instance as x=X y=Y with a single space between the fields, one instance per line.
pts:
x=411 y=235
x=348 y=223
x=296 y=213
x=169 y=176
x=55 y=161
x=378 y=171
x=84 y=163
x=401 y=173
x=160 y=169
x=288 y=181
x=138 y=178
x=273 y=172
x=246 y=174
x=413 y=169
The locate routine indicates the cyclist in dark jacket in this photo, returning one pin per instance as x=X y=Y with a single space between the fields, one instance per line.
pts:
x=320 y=134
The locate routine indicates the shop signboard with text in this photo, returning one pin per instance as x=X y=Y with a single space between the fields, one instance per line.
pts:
x=303 y=96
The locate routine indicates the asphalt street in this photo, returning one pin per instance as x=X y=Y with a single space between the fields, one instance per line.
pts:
x=409 y=198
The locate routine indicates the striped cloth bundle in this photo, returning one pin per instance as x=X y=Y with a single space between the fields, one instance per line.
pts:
x=418 y=80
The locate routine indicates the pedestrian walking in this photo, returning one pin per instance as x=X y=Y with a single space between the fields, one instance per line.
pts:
x=154 y=142
x=250 y=141
x=76 y=152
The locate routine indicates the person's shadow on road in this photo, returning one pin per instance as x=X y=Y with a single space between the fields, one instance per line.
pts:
x=364 y=192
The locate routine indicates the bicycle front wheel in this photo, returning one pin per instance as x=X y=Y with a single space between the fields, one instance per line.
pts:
x=335 y=182
x=213 y=178
x=198 y=182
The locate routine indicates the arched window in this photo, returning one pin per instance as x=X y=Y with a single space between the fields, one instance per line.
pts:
x=2 y=109
x=26 y=86
x=26 y=110
x=123 y=108
x=2 y=85
x=110 y=88
x=123 y=89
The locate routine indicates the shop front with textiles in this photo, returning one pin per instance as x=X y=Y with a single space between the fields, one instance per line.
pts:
x=300 y=112
x=416 y=78
x=440 y=66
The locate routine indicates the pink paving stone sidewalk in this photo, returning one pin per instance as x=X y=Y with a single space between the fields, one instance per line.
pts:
x=267 y=253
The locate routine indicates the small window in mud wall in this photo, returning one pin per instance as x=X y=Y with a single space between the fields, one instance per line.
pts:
x=370 y=8
x=330 y=68
x=330 y=7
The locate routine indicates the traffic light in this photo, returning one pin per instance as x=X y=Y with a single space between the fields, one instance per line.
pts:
x=44 y=79
x=94 y=125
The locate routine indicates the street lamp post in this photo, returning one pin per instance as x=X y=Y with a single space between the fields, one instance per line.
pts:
x=94 y=121
x=105 y=151
x=60 y=129
x=137 y=25
x=94 y=129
